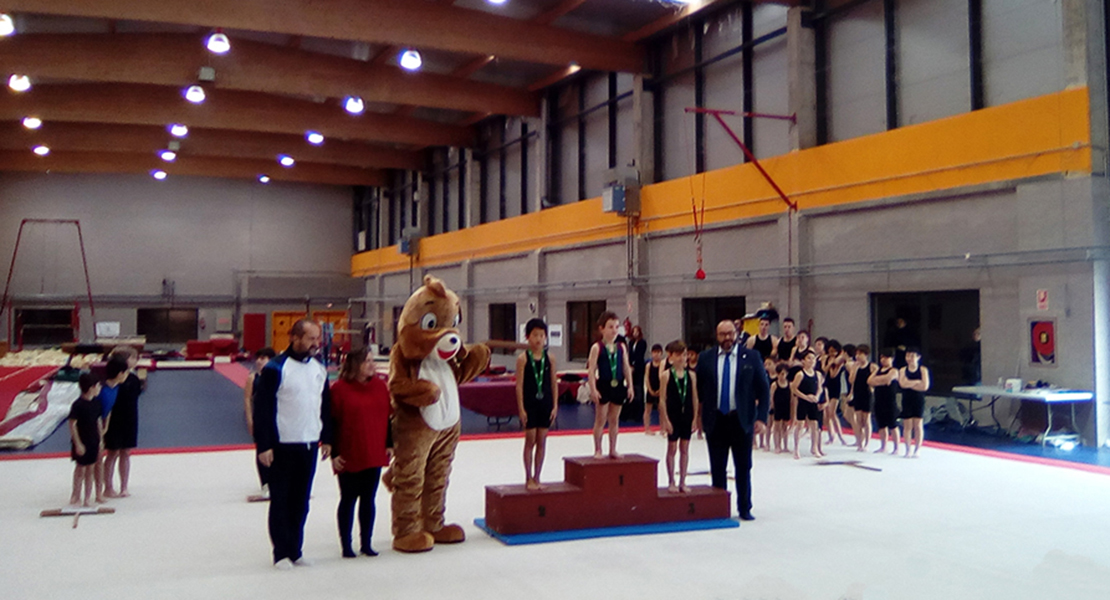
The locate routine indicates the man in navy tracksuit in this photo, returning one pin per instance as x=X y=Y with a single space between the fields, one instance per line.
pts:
x=292 y=418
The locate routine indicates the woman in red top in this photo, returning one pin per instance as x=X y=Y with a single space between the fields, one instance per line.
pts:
x=360 y=411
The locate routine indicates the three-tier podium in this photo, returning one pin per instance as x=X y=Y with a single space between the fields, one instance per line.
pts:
x=601 y=497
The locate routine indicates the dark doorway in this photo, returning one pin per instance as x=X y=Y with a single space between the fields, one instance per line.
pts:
x=45 y=326
x=167 y=325
x=941 y=324
x=583 y=326
x=701 y=315
x=502 y=325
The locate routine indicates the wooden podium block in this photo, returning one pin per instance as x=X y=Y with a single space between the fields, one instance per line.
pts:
x=600 y=493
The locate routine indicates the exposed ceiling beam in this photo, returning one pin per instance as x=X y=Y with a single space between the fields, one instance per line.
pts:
x=559 y=10
x=240 y=111
x=175 y=59
x=395 y=22
x=107 y=162
x=150 y=139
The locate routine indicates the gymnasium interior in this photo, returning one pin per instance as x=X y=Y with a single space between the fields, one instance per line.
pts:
x=191 y=178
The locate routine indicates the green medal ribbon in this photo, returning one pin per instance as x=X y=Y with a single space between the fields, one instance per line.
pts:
x=537 y=372
x=683 y=385
x=612 y=364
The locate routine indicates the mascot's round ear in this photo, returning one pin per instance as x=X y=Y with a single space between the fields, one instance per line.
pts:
x=435 y=286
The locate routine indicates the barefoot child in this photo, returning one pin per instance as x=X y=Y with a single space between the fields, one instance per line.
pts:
x=886 y=409
x=780 y=394
x=115 y=372
x=807 y=387
x=678 y=412
x=860 y=373
x=536 y=392
x=834 y=365
x=123 y=435
x=610 y=379
x=651 y=381
x=914 y=381
x=86 y=427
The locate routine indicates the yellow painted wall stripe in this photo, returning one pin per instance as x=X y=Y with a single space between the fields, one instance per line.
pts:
x=1045 y=135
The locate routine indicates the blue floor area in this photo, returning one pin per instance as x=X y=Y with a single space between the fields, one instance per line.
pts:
x=992 y=439
x=180 y=409
x=188 y=409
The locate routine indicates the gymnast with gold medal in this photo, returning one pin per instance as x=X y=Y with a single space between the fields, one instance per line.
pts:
x=610 y=379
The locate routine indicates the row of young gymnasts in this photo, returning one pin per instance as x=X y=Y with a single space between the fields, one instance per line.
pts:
x=810 y=387
x=813 y=385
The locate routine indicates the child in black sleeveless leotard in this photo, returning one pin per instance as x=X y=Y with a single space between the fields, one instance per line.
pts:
x=781 y=400
x=885 y=408
x=678 y=412
x=610 y=380
x=651 y=385
x=807 y=388
x=914 y=381
x=537 y=390
x=860 y=395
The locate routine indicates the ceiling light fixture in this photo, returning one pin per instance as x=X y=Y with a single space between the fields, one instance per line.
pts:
x=286 y=160
x=353 y=105
x=178 y=130
x=195 y=94
x=314 y=137
x=41 y=150
x=19 y=83
x=7 y=25
x=168 y=155
x=410 y=59
x=32 y=122
x=498 y=2
x=158 y=174
x=263 y=179
x=218 y=43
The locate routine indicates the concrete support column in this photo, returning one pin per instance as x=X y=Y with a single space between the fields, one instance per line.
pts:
x=473 y=189
x=790 y=227
x=802 y=80
x=643 y=131
x=467 y=300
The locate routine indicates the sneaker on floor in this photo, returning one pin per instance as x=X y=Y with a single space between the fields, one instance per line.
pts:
x=302 y=562
x=284 y=565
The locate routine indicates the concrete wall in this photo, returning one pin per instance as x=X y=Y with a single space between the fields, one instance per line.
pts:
x=195 y=232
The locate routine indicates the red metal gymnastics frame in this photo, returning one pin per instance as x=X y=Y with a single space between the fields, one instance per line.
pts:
x=748 y=153
x=15 y=253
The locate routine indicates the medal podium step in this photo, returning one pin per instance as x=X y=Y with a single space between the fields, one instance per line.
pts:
x=599 y=493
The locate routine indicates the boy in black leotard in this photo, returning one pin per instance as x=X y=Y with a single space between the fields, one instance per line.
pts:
x=610 y=380
x=651 y=385
x=860 y=395
x=536 y=391
x=678 y=412
x=807 y=388
x=914 y=381
x=781 y=401
x=886 y=408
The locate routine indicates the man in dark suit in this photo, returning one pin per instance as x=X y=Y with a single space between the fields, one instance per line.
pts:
x=735 y=396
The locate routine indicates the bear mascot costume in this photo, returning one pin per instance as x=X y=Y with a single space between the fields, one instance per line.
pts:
x=426 y=364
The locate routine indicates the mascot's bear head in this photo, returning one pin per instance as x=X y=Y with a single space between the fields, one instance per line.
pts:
x=429 y=322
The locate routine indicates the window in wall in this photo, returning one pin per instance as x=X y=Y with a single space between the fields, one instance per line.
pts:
x=583 y=326
x=502 y=325
x=167 y=325
x=701 y=315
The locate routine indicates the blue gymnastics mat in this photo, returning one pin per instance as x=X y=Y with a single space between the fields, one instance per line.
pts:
x=585 y=534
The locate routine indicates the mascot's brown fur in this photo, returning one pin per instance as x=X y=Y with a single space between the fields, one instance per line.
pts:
x=427 y=363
